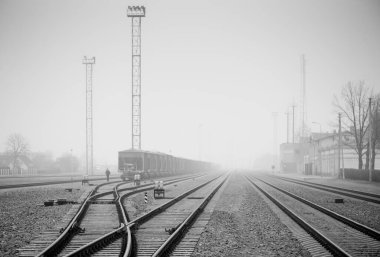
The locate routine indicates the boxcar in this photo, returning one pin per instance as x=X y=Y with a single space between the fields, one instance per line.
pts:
x=152 y=164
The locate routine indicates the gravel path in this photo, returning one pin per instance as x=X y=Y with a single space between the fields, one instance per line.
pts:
x=361 y=211
x=243 y=225
x=23 y=216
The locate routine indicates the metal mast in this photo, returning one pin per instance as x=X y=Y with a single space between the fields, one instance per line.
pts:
x=136 y=12
x=275 y=141
x=89 y=139
x=303 y=109
x=293 y=136
x=339 y=142
x=287 y=125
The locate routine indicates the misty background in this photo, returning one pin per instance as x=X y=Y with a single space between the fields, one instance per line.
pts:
x=213 y=72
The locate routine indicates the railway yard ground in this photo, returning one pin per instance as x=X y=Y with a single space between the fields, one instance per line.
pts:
x=23 y=216
x=20 y=181
x=239 y=220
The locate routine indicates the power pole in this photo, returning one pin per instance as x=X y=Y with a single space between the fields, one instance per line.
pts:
x=303 y=107
x=293 y=106
x=275 y=143
x=339 y=141
x=136 y=13
x=370 y=171
x=89 y=62
x=287 y=126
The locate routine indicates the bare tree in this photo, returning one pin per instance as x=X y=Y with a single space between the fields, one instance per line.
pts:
x=354 y=107
x=375 y=137
x=17 y=146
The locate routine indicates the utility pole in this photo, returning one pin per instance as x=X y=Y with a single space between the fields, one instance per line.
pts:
x=370 y=171
x=287 y=126
x=275 y=143
x=339 y=141
x=293 y=106
x=89 y=62
x=303 y=104
x=136 y=13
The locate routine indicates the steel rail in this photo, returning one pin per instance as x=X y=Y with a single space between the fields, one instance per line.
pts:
x=181 y=230
x=164 y=206
x=55 y=247
x=160 y=209
x=104 y=240
x=108 y=238
x=324 y=241
x=342 y=191
x=167 y=182
x=334 y=187
x=366 y=230
x=73 y=227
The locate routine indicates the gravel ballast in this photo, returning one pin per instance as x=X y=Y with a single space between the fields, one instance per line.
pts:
x=136 y=206
x=242 y=224
x=361 y=211
x=23 y=216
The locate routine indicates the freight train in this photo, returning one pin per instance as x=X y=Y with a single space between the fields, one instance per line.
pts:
x=153 y=164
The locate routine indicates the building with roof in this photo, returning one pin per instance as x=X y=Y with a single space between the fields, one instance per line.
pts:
x=318 y=155
x=22 y=166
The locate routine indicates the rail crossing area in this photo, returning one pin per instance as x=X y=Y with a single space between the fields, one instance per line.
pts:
x=201 y=214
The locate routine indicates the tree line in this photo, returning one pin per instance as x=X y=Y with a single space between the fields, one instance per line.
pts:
x=360 y=109
x=17 y=149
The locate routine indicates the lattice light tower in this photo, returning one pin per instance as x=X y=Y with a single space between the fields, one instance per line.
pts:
x=89 y=62
x=136 y=12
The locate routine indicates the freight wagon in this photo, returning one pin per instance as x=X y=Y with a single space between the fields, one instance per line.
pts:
x=153 y=164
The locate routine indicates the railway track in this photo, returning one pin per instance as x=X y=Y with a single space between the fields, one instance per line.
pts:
x=339 y=235
x=365 y=196
x=158 y=232
x=99 y=221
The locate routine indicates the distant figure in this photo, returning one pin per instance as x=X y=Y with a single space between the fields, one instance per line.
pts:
x=108 y=174
x=85 y=180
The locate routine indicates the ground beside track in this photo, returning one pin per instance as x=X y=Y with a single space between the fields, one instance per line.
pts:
x=19 y=182
x=242 y=224
x=360 y=185
x=23 y=216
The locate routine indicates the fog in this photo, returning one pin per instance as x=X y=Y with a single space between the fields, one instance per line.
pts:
x=213 y=72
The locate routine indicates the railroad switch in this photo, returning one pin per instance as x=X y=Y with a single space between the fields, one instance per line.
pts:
x=339 y=200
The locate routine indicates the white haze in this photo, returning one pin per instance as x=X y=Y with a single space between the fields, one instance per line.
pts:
x=212 y=72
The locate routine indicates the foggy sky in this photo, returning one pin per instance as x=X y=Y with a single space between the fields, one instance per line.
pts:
x=212 y=71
